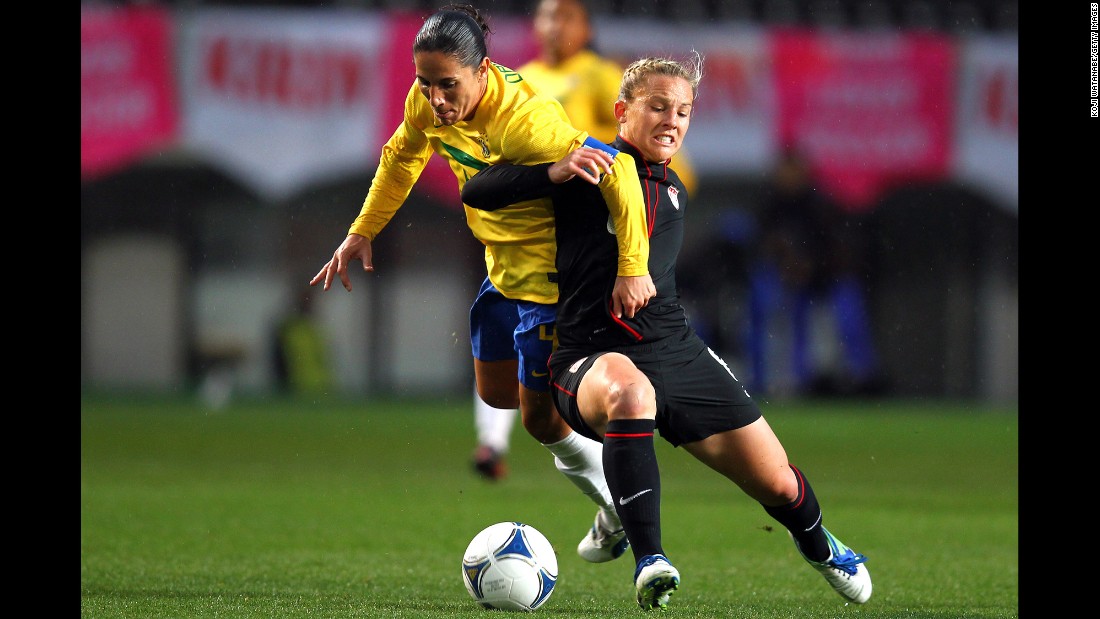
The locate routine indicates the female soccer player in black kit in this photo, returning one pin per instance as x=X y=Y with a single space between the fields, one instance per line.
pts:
x=617 y=377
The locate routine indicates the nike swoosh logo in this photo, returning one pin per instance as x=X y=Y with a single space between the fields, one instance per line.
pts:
x=625 y=500
x=539 y=374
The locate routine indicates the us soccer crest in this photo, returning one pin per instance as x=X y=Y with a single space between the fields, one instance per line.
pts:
x=674 y=195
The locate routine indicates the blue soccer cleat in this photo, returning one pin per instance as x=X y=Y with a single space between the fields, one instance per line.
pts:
x=844 y=570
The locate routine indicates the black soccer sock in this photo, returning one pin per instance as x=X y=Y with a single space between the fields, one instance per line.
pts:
x=630 y=466
x=802 y=517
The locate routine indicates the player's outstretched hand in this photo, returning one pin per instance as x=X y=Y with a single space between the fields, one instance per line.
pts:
x=631 y=294
x=356 y=246
x=585 y=162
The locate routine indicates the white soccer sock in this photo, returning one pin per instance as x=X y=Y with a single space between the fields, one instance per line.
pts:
x=494 y=425
x=580 y=459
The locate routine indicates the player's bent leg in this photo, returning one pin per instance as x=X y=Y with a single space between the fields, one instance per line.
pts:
x=751 y=457
x=614 y=388
x=616 y=397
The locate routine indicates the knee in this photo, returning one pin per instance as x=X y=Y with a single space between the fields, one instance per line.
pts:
x=631 y=397
x=780 y=488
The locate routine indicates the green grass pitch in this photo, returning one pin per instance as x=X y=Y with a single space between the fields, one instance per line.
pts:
x=288 y=509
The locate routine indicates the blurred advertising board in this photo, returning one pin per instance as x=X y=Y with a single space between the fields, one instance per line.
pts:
x=284 y=98
x=127 y=90
x=987 y=131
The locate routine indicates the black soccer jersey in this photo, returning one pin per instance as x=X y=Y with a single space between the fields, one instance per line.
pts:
x=587 y=252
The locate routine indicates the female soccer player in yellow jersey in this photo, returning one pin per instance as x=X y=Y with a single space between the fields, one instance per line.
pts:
x=475 y=113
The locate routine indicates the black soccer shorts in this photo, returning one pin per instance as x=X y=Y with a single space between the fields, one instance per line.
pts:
x=697 y=393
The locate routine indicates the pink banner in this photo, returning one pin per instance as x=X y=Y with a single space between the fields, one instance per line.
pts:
x=870 y=111
x=127 y=92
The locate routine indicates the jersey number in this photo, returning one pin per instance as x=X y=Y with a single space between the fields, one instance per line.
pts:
x=549 y=333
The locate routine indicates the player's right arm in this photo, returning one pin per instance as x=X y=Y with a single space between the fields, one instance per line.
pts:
x=404 y=157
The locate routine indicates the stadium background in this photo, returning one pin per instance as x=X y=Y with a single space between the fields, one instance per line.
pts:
x=226 y=146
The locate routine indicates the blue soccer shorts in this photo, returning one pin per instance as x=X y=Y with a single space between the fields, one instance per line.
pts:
x=502 y=329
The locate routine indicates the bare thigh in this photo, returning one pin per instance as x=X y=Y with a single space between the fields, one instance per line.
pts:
x=753 y=458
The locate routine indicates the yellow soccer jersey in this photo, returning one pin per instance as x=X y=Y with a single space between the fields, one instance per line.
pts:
x=512 y=124
x=587 y=86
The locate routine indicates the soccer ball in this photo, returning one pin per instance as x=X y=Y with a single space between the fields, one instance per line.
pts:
x=510 y=566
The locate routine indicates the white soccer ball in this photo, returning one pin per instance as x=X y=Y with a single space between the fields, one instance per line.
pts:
x=510 y=566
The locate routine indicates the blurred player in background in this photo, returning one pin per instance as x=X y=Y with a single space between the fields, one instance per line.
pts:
x=810 y=255
x=474 y=113
x=619 y=377
x=587 y=85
